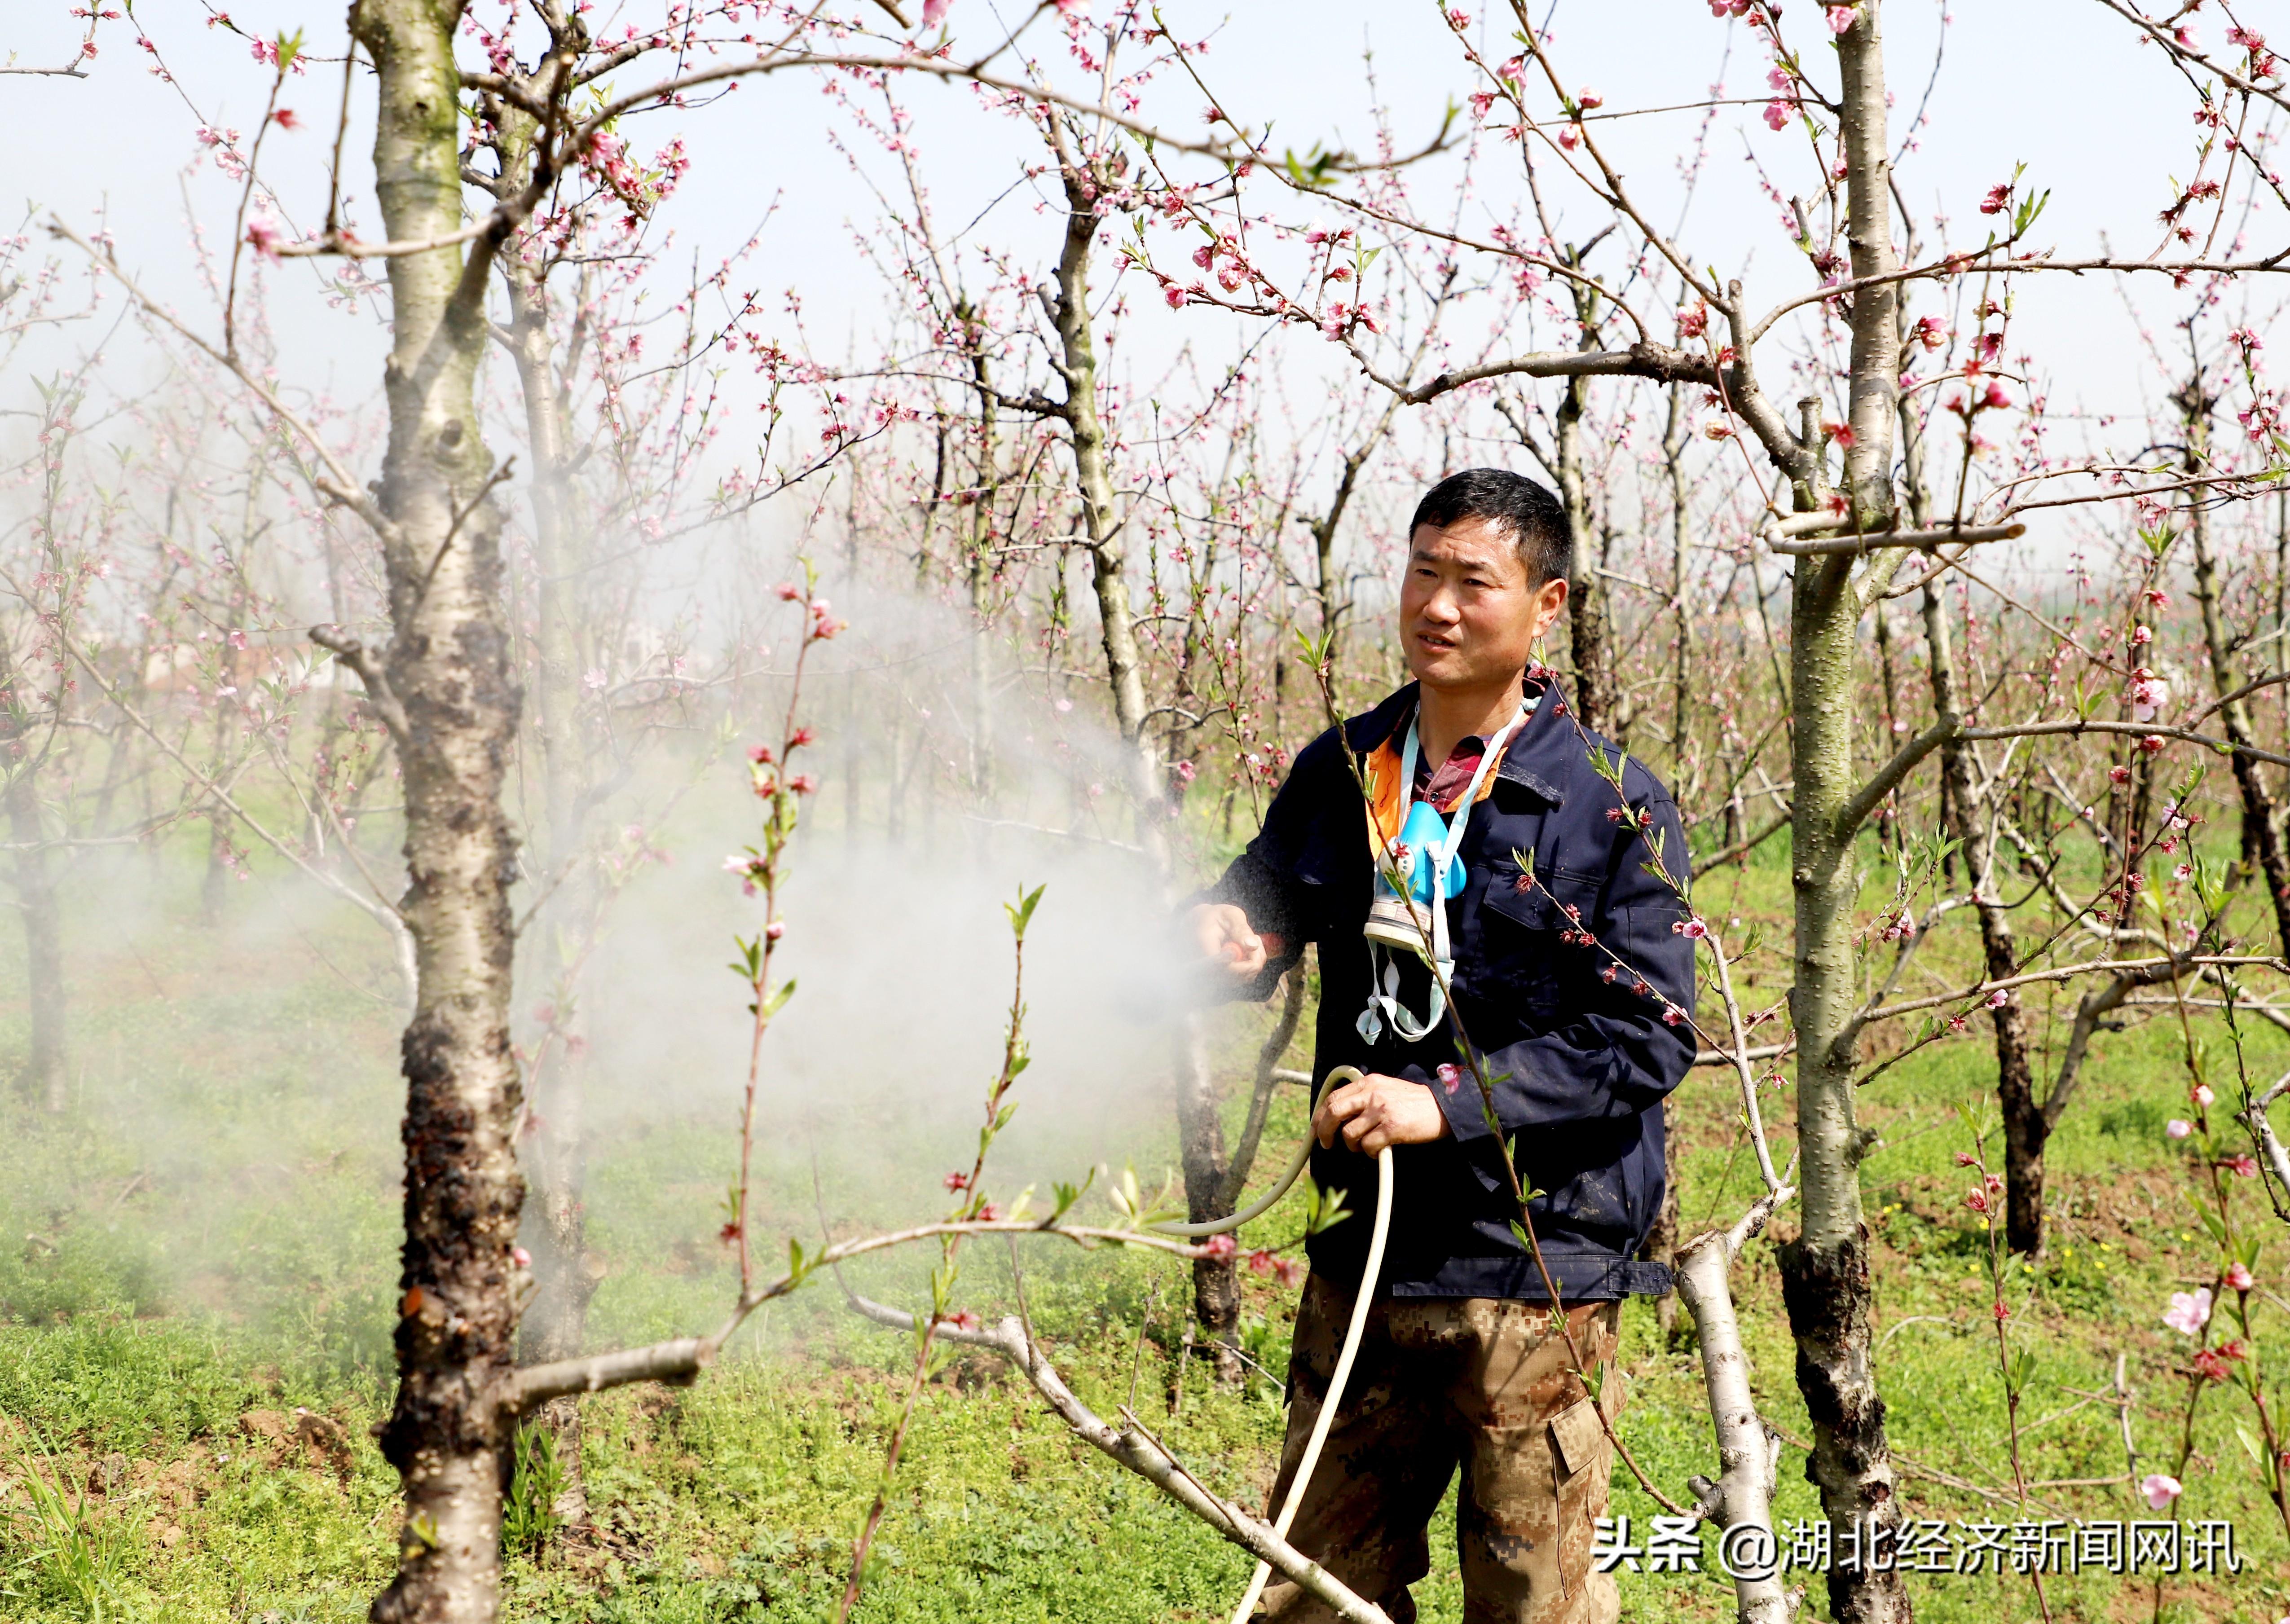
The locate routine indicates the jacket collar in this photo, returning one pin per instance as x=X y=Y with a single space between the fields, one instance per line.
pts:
x=1539 y=757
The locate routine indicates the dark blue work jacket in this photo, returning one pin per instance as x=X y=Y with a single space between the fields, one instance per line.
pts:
x=1581 y=1049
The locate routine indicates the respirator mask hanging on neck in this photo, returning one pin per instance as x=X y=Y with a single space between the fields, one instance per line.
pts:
x=1423 y=854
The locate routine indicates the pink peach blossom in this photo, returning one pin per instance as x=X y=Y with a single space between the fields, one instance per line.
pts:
x=2189 y=1311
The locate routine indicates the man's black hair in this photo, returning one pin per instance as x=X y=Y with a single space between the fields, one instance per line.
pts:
x=1530 y=514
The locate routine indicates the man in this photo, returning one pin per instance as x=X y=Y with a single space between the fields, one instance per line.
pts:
x=1574 y=986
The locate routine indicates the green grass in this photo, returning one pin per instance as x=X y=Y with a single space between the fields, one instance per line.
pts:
x=211 y=1235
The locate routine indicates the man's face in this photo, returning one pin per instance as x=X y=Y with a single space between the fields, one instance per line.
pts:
x=1467 y=616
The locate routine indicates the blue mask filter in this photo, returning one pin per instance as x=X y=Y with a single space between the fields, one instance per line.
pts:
x=1424 y=830
x=1416 y=923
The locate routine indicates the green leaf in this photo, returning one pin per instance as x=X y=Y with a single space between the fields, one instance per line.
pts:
x=2211 y=1221
x=1324 y=1209
x=1068 y=1193
x=1125 y=1194
x=2270 y=1467
x=778 y=1000
x=1022 y=913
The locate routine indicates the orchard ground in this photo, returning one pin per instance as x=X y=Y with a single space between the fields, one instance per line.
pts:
x=195 y=1333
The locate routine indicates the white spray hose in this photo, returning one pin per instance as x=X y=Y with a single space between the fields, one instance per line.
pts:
x=1369 y=1276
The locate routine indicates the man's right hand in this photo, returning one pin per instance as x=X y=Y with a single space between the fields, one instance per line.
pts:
x=1227 y=939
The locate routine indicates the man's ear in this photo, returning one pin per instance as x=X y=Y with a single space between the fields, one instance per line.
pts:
x=1550 y=598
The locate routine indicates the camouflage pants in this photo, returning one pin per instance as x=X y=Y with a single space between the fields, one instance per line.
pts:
x=1439 y=1384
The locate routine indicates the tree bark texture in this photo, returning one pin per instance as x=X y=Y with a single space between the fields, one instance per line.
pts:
x=978 y=564
x=1673 y=453
x=1825 y=1270
x=556 y=1321
x=1748 y=1453
x=2025 y=1125
x=1201 y=1152
x=47 y=1064
x=1200 y=1130
x=1586 y=606
x=1662 y=1240
x=46 y=1075
x=1101 y=520
x=2262 y=832
x=1333 y=595
x=449 y=674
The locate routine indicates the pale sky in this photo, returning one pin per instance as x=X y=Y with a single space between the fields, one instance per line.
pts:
x=2058 y=84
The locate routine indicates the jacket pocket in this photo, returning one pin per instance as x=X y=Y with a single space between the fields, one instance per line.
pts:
x=1521 y=924
x=1649 y=927
x=1518 y=952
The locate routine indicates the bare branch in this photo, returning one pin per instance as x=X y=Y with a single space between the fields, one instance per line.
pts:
x=339 y=485
x=1742 y=847
x=676 y=1363
x=348 y=245
x=682 y=1358
x=2065 y=972
x=353 y=654
x=1856 y=811
x=1919 y=541
x=2162 y=35
x=1130 y=1448
x=1658 y=361
x=2143 y=730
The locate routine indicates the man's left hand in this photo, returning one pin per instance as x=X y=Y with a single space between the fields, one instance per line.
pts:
x=1377 y=1111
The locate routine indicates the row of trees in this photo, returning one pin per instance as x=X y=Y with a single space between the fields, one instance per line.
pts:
x=1841 y=580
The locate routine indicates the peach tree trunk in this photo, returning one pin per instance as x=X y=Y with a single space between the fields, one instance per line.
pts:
x=46 y=1075
x=2262 y=833
x=554 y=1131
x=1825 y=1270
x=451 y=699
x=1200 y=1130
